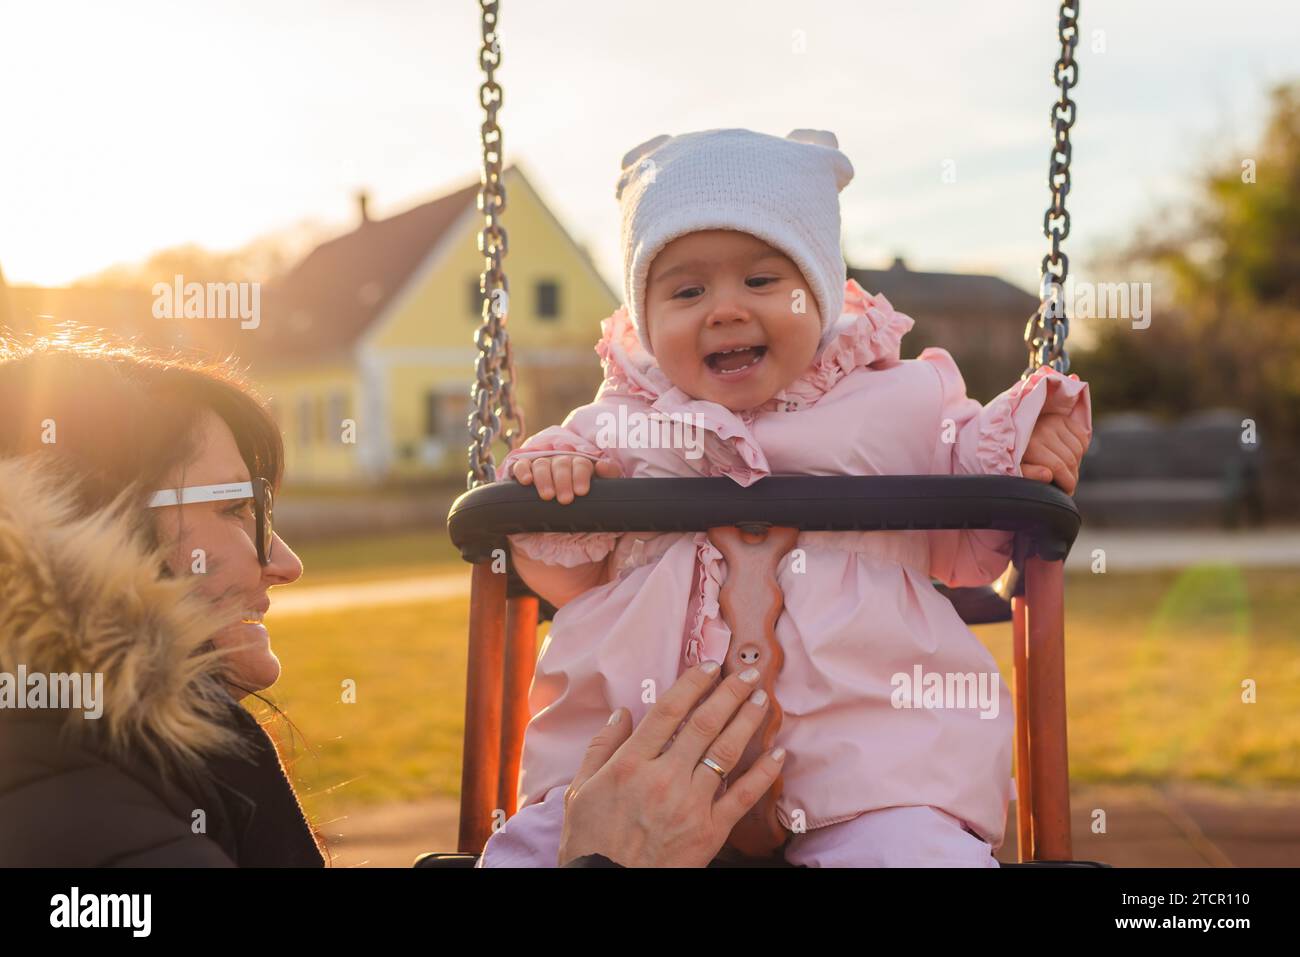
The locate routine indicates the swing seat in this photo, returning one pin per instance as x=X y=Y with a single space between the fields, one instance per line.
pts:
x=504 y=614
x=982 y=605
x=437 y=859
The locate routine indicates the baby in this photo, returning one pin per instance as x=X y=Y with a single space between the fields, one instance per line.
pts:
x=741 y=333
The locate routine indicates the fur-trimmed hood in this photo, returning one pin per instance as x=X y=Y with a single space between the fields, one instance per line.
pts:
x=82 y=594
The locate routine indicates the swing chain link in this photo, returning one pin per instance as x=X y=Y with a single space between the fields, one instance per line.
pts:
x=1048 y=327
x=493 y=395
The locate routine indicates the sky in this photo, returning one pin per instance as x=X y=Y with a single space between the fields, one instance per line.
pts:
x=134 y=126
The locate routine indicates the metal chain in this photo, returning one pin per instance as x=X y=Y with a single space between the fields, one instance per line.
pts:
x=1048 y=327
x=493 y=395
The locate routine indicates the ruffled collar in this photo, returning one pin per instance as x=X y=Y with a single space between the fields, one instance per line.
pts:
x=868 y=332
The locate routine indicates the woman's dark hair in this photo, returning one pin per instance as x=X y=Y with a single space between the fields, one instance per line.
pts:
x=115 y=414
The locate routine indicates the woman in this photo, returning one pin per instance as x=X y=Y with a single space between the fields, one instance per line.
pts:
x=137 y=553
x=133 y=489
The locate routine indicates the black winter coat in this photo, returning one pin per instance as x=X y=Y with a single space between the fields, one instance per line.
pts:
x=173 y=773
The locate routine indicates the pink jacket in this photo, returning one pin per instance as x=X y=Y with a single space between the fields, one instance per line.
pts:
x=862 y=611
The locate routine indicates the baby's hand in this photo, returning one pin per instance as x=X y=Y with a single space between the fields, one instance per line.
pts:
x=561 y=477
x=1056 y=448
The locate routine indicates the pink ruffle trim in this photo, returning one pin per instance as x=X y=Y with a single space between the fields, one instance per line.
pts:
x=874 y=334
x=709 y=637
x=997 y=447
x=870 y=331
x=567 y=549
x=628 y=369
x=735 y=454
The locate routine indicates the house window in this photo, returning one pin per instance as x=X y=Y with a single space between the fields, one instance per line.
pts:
x=304 y=419
x=446 y=415
x=432 y=415
x=322 y=426
x=339 y=409
x=548 y=299
x=475 y=300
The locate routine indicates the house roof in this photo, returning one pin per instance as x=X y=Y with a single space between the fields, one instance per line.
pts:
x=921 y=294
x=321 y=306
x=315 y=312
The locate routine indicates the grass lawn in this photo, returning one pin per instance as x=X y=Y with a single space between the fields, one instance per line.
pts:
x=1155 y=666
x=383 y=556
x=1158 y=667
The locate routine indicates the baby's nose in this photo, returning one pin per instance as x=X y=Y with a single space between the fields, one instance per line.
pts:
x=726 y=312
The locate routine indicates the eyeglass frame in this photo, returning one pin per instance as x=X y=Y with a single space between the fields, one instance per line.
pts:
x=259 y=490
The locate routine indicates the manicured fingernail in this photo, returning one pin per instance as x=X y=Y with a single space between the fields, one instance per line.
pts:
x=759 y=697
x=749 y=675
x=613 y=718
x=778 y=754
x=710 y=667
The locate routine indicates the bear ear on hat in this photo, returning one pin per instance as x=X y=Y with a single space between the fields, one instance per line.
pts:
x=815 y=137
x=632 y=156
x=840 y=164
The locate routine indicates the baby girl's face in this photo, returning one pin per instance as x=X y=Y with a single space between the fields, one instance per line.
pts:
x=720 y=314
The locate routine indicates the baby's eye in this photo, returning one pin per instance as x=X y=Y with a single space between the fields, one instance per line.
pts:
x=764 y=280
x=685 y=291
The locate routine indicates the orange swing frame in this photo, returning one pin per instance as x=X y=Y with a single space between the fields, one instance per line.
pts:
x=503 y=630
x=503 y=651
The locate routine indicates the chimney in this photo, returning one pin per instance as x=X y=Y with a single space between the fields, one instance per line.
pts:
x=363 y=204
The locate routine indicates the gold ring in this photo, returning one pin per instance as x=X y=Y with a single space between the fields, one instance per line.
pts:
x=710 y=763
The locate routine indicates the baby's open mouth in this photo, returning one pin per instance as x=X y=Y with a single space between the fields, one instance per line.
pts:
x=731 y=361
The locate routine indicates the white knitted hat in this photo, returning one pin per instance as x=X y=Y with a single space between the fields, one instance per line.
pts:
x=783 y=191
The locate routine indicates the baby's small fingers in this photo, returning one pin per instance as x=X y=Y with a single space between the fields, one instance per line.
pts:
x=543 y=480
x=1060 y=471
x=523 y=472
x=1066 y=445
x=582 y=469
x=1039 y=473
x=562 y=471
x=1079 y=430
x=608 y=468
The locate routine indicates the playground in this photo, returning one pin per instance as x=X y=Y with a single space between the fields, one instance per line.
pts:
x=1186 y=774
x=1057 y=434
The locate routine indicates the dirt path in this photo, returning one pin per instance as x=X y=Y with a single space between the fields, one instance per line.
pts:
x=1144 y=550
x=314 y=599
x=1125 y=551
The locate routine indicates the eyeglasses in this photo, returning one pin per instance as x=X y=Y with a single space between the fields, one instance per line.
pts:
x=259 y=490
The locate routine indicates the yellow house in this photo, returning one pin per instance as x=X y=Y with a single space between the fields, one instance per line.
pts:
x=366 y=348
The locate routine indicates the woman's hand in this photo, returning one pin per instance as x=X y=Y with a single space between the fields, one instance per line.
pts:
x=561 y=477
x=1056 y=447
x=640 y=805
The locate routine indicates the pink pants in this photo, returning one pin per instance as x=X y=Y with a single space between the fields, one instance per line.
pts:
x=912 y=836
